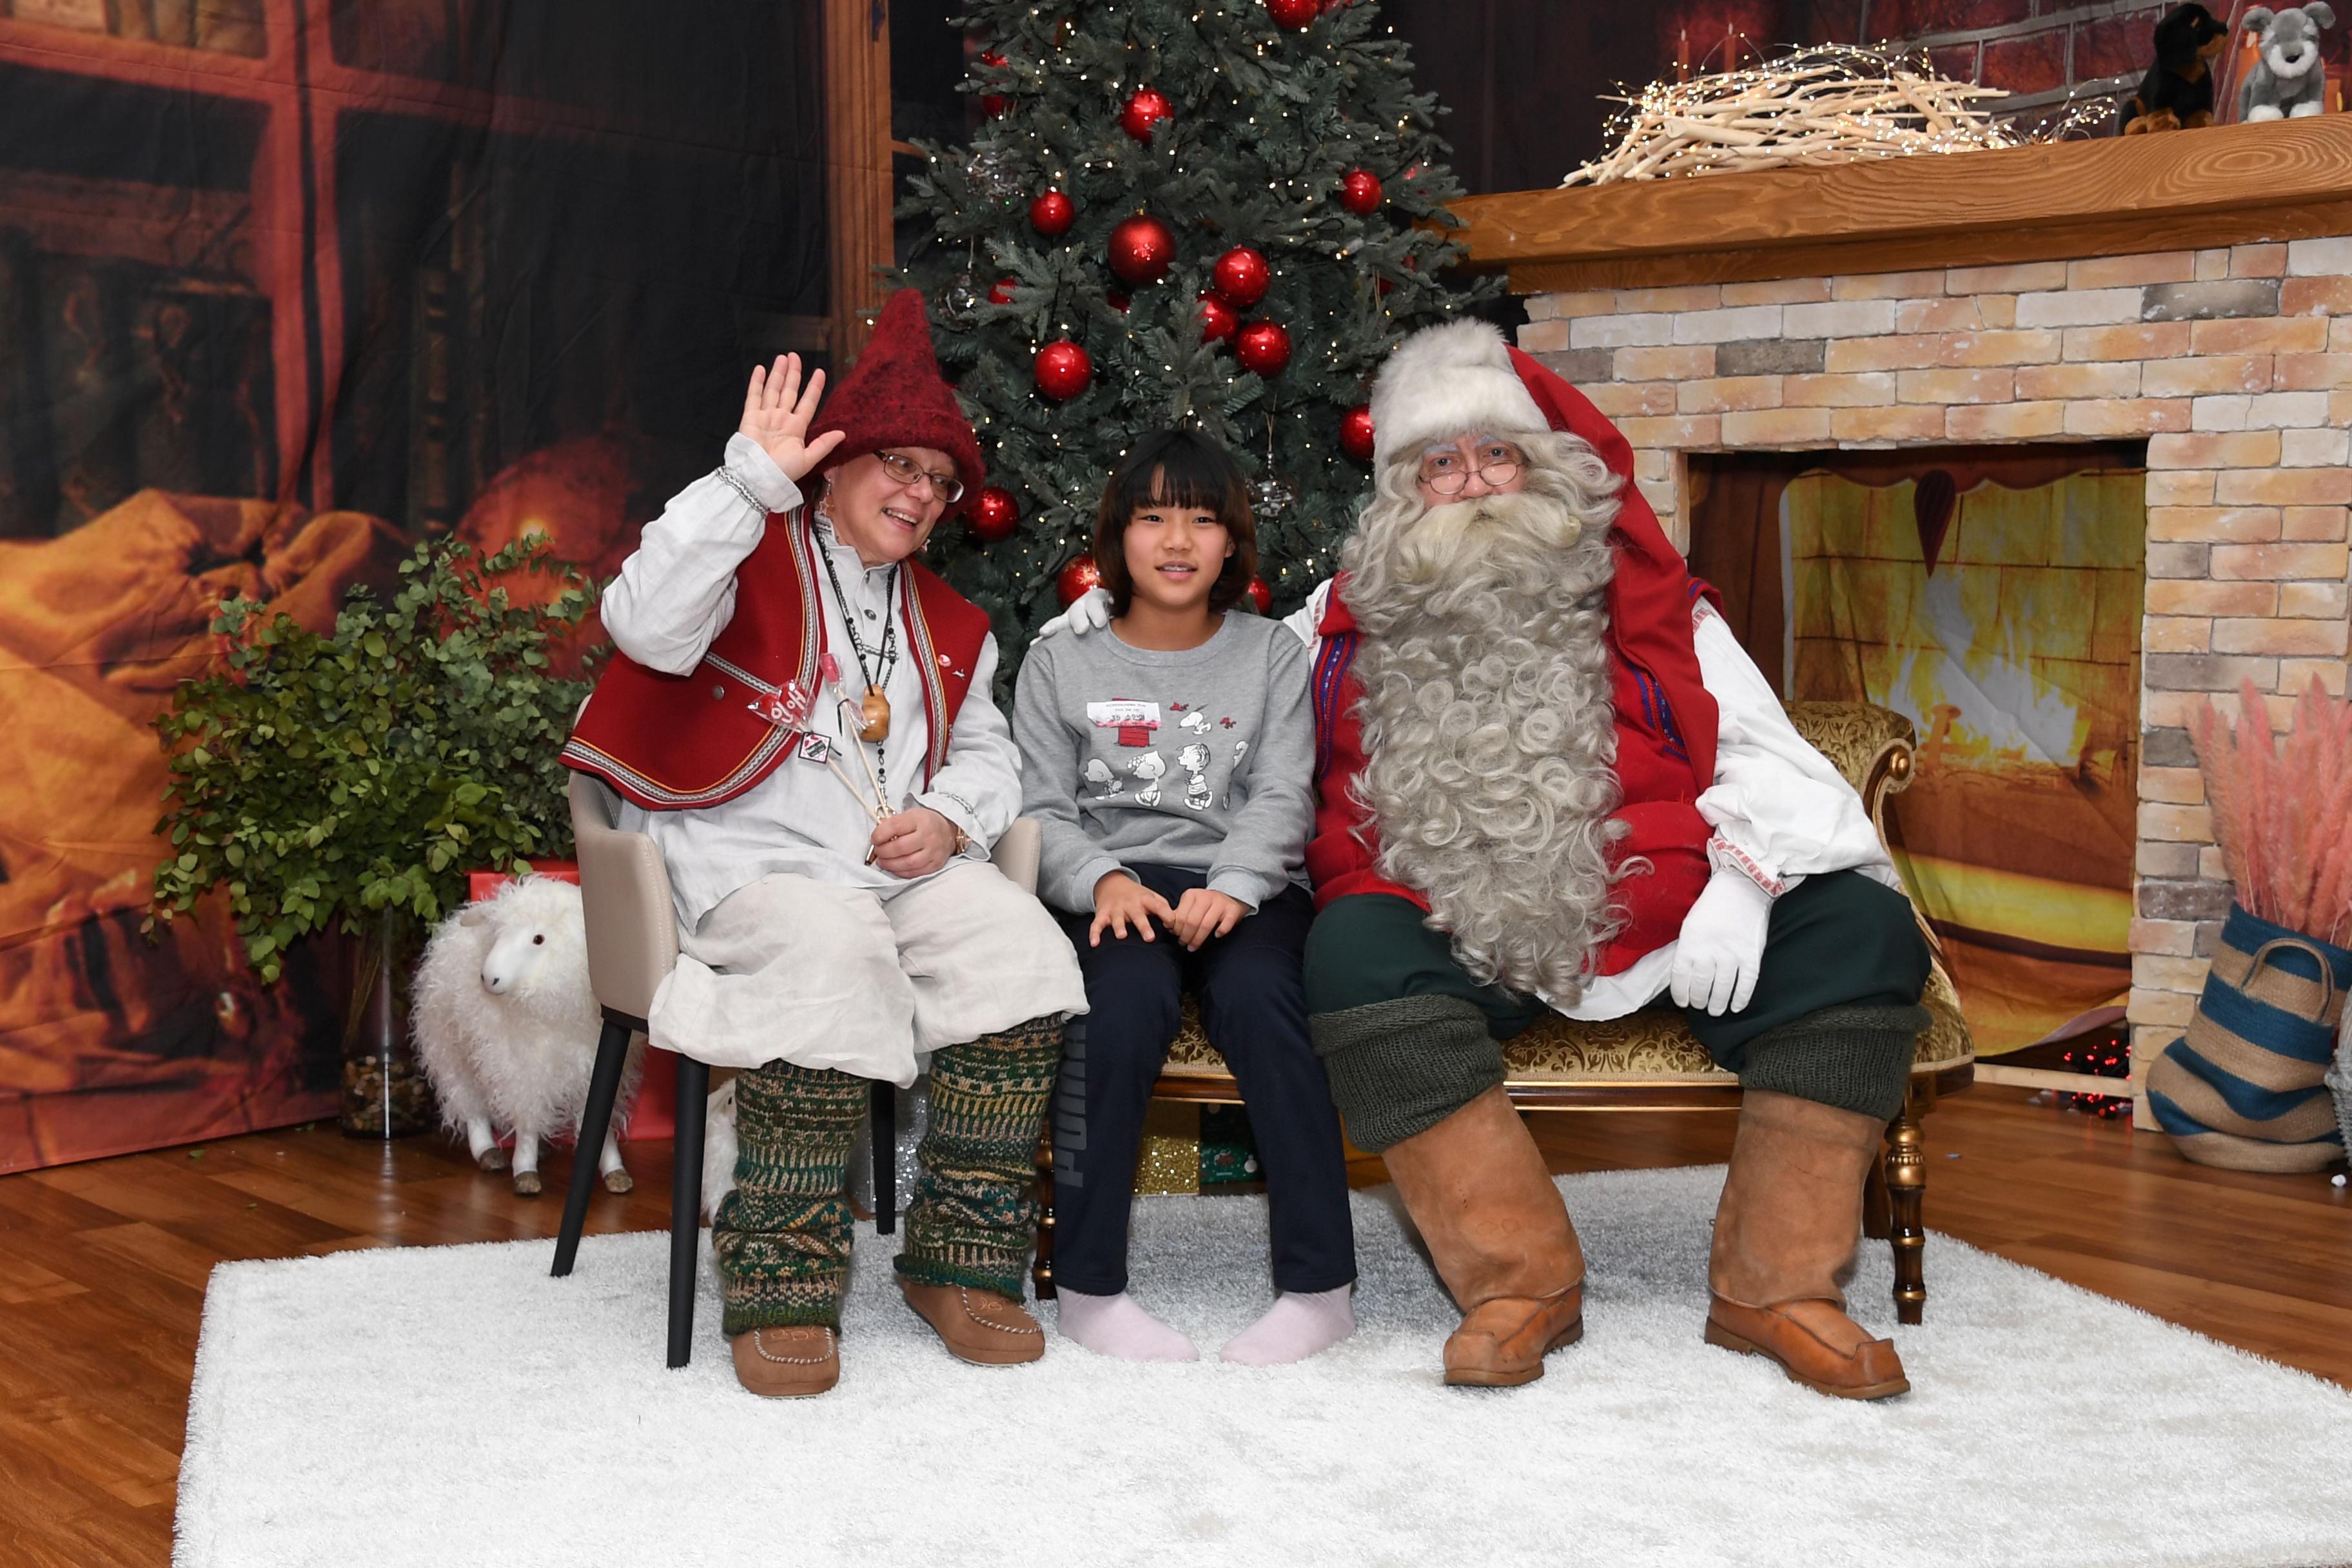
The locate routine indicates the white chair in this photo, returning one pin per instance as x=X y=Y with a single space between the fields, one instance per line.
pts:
x=631 y=928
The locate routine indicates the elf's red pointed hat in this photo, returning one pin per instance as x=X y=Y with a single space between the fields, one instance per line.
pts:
x=895 y=397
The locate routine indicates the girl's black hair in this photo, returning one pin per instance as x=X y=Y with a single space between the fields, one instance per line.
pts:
x=1176 y=468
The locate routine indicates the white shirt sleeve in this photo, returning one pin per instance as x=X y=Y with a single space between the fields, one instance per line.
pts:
x=1309 y=616
x=1780 y=810
x=978 y=787
x=676 y=591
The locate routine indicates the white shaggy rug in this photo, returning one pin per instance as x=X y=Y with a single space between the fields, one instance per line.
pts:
x=440 y=1405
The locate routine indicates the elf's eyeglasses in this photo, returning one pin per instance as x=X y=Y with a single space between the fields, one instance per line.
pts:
x=906 y=471
x=1448 y=469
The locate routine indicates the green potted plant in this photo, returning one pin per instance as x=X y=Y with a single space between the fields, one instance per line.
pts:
x=350 y=780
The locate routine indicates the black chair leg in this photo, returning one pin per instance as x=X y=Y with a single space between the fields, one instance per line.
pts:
x=886 y=1158
x=595 y=1121
x=685 y=1205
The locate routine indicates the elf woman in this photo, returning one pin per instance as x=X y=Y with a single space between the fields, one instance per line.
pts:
x=798 y=716
x=1169 y=763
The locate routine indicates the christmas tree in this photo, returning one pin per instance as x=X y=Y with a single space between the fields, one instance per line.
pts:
x=1220 y=214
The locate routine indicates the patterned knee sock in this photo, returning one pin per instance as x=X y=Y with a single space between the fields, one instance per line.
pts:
x=781 y=1236
x=974 y=1212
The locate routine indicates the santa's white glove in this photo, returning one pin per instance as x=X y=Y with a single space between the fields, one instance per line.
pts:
x=1721 y=949
x=1089 y=611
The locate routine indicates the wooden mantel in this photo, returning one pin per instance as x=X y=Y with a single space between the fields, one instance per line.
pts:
x=2289 y=179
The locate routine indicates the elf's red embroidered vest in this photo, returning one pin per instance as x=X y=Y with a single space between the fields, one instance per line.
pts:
x=1659 y=777
x=669 y=742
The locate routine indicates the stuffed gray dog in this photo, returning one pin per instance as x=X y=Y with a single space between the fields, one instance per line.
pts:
x=2287 y=80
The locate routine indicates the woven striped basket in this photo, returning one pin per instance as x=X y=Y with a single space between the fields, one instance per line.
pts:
x=2244 y=1088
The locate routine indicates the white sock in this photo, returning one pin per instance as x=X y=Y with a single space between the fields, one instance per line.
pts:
x=1299 y=1324
x=1117 y=1326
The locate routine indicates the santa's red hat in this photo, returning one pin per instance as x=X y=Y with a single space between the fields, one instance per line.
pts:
x=895 y=397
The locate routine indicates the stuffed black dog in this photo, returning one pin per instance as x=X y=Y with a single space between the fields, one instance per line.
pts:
x=2178 y=92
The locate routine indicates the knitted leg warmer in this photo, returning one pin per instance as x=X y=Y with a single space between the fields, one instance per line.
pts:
x=975 y=1210
x=781 y=1236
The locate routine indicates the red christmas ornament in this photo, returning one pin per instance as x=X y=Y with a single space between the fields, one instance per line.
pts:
x=1295 y=15
x=1264 y=347
x=1360 y=193
x=991 y=104
x=1117 y=300
x=1147 y=109
x=1052 y=214
x=1356 y=433
x=1079 y=578
x=1141 y=250
x=994 y=514
x=1241 y=276
x=1261 y=595
x=1218 y=321
x=1001 y=292
x=1063 y=369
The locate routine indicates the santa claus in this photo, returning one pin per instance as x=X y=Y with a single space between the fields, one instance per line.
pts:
x=1549 y=777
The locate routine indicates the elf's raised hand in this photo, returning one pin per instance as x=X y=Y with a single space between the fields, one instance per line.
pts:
x=777 y=412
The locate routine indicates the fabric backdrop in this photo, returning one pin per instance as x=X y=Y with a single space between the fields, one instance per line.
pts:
x=285 y=287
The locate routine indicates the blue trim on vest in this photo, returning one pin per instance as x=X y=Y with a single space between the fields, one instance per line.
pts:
x=1331 y=667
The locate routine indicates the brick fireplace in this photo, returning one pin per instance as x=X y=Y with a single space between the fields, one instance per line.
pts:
x=2081 y=292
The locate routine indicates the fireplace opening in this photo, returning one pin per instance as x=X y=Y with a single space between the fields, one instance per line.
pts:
x=1993 y=596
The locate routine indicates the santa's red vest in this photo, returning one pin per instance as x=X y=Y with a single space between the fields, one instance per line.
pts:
x=673 y=741
x=1657 y=773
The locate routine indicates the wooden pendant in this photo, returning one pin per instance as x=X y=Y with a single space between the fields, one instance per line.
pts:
x=876 y=710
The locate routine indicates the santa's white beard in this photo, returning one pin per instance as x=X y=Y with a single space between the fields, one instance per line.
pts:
x=1487 y=725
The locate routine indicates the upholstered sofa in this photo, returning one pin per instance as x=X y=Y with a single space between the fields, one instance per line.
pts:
x=1651 y=1061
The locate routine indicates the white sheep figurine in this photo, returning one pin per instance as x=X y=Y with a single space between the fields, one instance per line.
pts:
x=505 y=1026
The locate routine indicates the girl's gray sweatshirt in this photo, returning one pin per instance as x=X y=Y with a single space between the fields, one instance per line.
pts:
x=1200 y=758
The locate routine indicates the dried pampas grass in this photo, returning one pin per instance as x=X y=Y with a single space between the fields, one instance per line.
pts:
x=2284 y=814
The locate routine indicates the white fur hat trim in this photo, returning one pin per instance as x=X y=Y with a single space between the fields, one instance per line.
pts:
x=1447 y=380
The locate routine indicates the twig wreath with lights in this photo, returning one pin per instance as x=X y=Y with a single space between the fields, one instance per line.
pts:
x=1213 y=212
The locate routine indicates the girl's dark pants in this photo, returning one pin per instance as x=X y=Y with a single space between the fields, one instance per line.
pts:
x=1253 y=1006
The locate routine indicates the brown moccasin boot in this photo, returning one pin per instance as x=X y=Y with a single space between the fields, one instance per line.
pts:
x=1791 y=1215
x=787 y=1362
x=1476 y=1185
x=978 y=1326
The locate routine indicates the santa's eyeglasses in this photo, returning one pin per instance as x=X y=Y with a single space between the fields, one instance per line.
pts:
x=1447 y=471
x=905 y=471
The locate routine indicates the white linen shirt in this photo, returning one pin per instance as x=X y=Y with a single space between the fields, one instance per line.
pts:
x=1780 y=810
x=674 y=596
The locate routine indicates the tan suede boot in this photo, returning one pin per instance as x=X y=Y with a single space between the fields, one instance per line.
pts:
x=1791 y=1215
x=1495 y=1227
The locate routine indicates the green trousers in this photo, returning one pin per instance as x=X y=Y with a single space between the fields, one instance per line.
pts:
x=1407 y=1037
x=781 y=1236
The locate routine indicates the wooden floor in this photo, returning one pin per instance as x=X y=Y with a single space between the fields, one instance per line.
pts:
x=102 y=1265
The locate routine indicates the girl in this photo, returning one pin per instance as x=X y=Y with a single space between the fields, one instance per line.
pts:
x=1169 y=763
